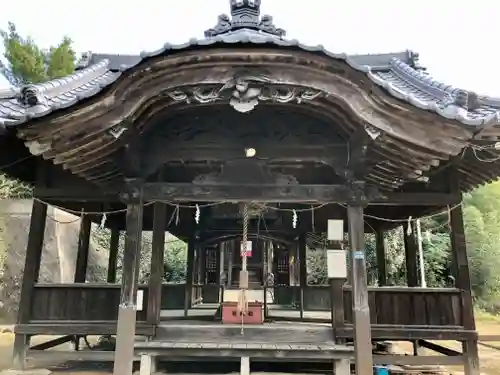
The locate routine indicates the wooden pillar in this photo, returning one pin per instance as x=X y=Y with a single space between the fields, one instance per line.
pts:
x=360 y=307
x=203 y=266
x=223 y=274
x=189 y=275
x=302 y=247
x=337 y=298
x=157 y=255
x=82 y=258
x=411 y=254
x=113 y=255
x=463 y=279
x=219 y=265
x=381 y=260
x=30 y=277
x=127 y=310
x=263 y=250
x=230 y=264
x=293 y=261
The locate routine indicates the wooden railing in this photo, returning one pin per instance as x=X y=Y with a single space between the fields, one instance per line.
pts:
x=398 y=306
x=80 y=302
x=410 y=306
x=394 y=305
x=173 y=296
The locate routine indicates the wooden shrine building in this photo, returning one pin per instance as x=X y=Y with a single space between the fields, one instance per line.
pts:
x=186 y=138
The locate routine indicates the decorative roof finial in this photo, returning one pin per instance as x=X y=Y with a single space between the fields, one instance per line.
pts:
x=245 y=14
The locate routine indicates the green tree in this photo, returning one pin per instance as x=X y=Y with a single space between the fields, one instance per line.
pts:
x=482 y=221
x=25 y=62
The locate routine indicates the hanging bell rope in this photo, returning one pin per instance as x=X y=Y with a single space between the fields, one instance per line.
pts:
x=243 y=299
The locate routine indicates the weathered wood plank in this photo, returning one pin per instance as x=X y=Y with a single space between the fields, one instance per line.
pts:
x=438 y=348
x=83 y=248
x=77 y=328
x=460 y=264
x=339 y=192
x=130 y=273
x=360 y=306
x=157 y=262
x=408 y=333
x=418 y=360
x=247 y=192
x=51 y=343
x=274 y=332
x=58 y=356
x=30 y=277
x=79 y=302
x=238 y=349
x=113 y=255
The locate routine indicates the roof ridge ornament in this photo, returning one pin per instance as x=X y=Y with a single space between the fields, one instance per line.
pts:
x=245 y=14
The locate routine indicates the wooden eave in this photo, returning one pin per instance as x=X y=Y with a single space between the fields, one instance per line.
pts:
x=413 y=142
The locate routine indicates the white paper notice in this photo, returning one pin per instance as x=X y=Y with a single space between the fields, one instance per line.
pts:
x=140 y=299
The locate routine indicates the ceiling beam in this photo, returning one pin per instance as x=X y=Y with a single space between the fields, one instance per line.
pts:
x=189 y=192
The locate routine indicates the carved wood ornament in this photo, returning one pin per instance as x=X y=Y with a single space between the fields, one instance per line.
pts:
x=244 y=93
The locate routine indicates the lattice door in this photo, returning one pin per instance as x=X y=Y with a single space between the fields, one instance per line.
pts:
x=212 y=261
x=282 y=267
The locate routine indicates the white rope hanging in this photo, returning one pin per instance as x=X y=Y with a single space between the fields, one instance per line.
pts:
x=243 y=300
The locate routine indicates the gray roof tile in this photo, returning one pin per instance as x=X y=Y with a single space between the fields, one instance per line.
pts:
x=53 y=95
x=393 y=72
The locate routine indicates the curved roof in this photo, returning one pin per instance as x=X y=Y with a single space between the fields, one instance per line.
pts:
x=398 y=73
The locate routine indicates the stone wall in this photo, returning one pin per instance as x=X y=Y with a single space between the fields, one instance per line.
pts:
x=58 y=257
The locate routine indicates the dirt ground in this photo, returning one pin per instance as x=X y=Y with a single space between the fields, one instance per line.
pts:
x=489 y=358
x=486 y=325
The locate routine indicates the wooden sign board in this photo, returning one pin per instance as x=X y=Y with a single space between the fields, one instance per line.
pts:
x=336 y=261
x=248 y=249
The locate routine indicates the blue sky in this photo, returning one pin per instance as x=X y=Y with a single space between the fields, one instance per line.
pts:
x=457 y=40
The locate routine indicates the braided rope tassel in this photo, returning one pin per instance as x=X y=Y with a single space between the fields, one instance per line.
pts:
x=243 y=300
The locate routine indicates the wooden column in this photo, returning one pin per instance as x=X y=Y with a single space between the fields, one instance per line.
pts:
x=189 y=275
x=337 y=298
x=230 y=264
x=381 y=260
x=462 y=279
x=220 y=268
x=127 y=310
x=360 y=307
x=82 y=258
x=157 y=255
x=411 y=254
x=30 y=277
x=302 y=270
x=223 y=274
x=113 y=255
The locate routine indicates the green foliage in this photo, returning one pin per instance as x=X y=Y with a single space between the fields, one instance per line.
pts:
x=482 y=221
x=316 y=267
x=176 y=259
x=25 y=63
x=175 y=255
x=28 y=63
x=13 y=189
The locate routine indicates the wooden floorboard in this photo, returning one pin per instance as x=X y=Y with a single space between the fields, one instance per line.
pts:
x=305 y=333
x=316 y=351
